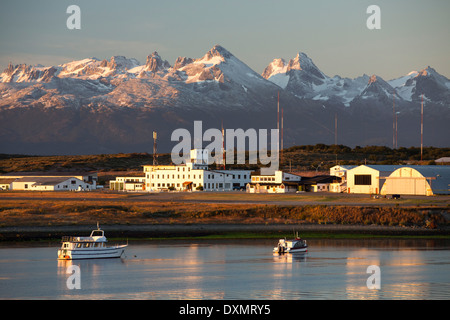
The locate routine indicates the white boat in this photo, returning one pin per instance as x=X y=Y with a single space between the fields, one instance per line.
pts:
x=291 y=246
x=92 y=247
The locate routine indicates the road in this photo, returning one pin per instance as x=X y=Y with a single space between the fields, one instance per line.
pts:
x=325 y=198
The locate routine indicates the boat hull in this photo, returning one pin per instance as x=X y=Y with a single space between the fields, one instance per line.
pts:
x=298 y=250
x=289 y=250
x=102 y=253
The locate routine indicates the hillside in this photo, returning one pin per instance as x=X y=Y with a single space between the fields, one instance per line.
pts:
x=317 y=157
x=93 y=106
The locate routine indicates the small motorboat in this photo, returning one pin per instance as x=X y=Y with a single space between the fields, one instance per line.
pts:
x=291 y=246
x=92 y=247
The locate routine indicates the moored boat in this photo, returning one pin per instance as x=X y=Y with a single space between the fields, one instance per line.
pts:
x=92 y=247
x=291 y=246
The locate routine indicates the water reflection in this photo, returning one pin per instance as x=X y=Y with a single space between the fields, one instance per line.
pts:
x=241 y=269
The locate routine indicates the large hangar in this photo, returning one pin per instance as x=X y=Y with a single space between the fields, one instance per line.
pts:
x=418 y=180
x=407 y=180
x=366 y=178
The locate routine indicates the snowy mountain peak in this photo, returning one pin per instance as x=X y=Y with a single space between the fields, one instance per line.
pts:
x=301 y=62
x=372 y=79
x=155 y=63
x=10 y=69
x=181 y=62
x=121 y=62
x=275 y=67
x=218 y=51
x=427 y=81
x=27 y=73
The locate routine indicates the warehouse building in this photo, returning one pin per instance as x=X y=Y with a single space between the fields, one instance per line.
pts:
x=418 y=180
x=366 y=178
x=391 y=179
x=49 y=181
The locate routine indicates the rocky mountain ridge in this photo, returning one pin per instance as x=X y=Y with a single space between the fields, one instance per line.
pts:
x=104 y=106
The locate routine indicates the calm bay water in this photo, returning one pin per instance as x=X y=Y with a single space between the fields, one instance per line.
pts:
x=238 y=269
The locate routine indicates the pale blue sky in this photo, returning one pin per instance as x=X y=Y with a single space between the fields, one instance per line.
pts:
x=413 y=35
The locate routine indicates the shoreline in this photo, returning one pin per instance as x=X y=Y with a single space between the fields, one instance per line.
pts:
x=228 y=231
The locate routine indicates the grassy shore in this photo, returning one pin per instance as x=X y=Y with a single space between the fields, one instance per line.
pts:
x=34 y=215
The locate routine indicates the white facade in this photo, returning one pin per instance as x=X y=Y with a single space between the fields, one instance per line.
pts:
x=191 y=177
x=51 y=184
x=280 y=182
x=128 y=184
x=368 y=179
x=340 y=171
x=6 y=184
x=54 y=181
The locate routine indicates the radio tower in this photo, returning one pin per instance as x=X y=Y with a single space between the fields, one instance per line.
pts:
x=393 y=121
x=281 y=135
x=335 y=128
x=421 y=131
x=278 y=123
x=154 y=148
x=223 y=147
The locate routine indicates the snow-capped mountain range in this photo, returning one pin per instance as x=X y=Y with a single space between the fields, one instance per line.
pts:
x=303 y=78
x=89 y=98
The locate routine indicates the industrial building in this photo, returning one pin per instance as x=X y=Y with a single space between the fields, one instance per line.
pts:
x=418 y=180
x=49 y=181
x=399 y=179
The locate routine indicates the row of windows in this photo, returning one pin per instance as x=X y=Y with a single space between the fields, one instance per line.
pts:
x=90 y=245
x=210 y=176
x=86 y=245
x=178 y=185
x=173 y=176
x=263 y=178
x=167 y=185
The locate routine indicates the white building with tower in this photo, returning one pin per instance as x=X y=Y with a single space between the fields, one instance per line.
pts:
x=194 y=175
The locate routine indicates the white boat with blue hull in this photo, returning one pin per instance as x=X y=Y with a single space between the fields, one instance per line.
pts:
x=92 y=247
x=291 y=246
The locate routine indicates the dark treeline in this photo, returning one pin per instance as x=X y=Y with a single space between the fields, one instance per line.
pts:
x=319 y=157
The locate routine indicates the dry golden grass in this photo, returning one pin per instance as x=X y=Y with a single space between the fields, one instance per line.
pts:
x=80 y=212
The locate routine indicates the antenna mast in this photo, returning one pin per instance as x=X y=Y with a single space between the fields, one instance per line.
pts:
x=421 y=131
x=335 y=128
x=281 y=134
x=278 y=111
x=223 y=147
x=393 y=121
x=154 y=147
